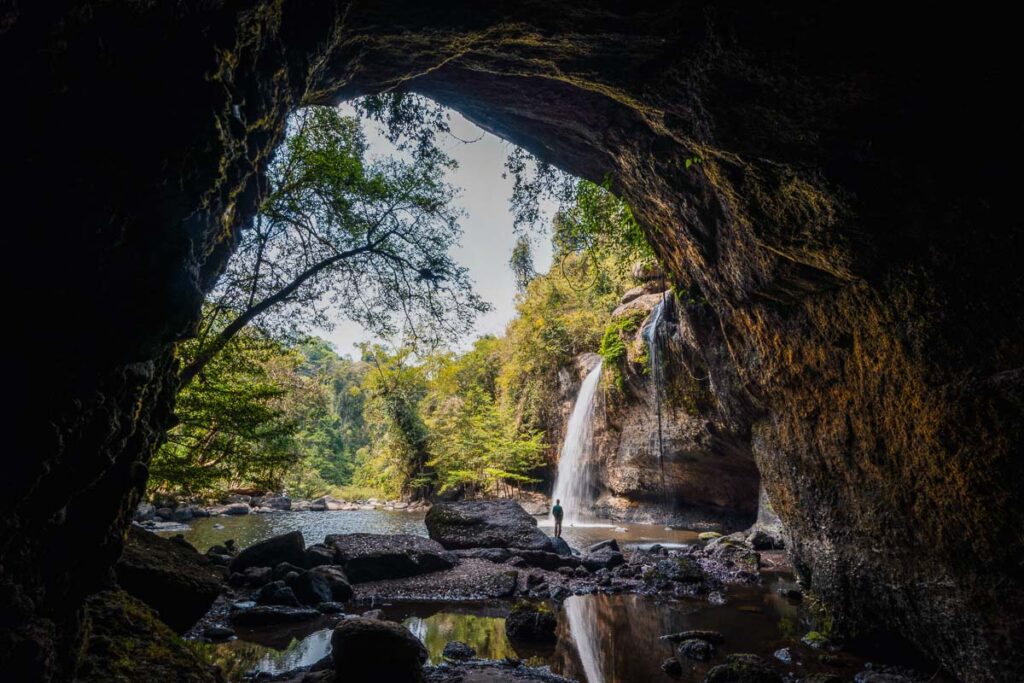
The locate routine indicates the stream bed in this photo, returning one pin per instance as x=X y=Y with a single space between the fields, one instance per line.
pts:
x=602 y=638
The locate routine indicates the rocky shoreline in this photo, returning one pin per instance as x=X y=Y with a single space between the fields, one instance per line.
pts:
x=479 y=550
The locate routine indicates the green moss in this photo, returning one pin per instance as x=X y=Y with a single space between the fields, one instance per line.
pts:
x=127 y=642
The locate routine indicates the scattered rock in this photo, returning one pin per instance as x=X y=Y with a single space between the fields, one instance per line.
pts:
x=290 y=547
x=832 y=678
x=371 y=557
x=708 y=536
x=237 y=509
x=169 y=576
x=581 y=572
x=318 y=554
x=815 y=639
x=257 y=576
x=373 y=614
x=713 y=637
x=331 y=607
x=371 y=651
x=277 y=503
x=743 y=668
x=516 y=561
x=266 y=615
x=672 y=667
x=458 y=651
x=311 y=589
x=218 y=633
x=606 y=558
x=784 y=655
x=283 y=569
x=610 y=543
x=276 y=593
x=695 y=649
x=484 y=524
x=680 y=570
x=336 y=579
x=545 y=560
x=531 y=622
x=144 y=511
x=496 y=555
x=567 y=572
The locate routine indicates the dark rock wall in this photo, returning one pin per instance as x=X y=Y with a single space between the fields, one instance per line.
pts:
x=851 y=226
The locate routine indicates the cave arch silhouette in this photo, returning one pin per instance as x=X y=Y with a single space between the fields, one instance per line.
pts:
x=864 y=317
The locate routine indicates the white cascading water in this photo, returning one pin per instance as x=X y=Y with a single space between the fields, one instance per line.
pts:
x=585 y=629
x=657 y=373
x=573 y=482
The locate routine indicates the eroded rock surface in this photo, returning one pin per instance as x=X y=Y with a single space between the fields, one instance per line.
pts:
x=849 y=241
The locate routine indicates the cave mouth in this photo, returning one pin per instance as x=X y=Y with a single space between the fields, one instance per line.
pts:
x=862 y=298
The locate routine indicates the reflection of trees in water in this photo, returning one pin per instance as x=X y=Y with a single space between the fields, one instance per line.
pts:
x=240 y=657
x=484 y=634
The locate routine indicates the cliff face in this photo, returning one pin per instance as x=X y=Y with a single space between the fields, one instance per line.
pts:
x=664 y=452
x=851 y=225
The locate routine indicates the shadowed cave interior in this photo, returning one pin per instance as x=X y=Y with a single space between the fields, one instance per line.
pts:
x=851 y=230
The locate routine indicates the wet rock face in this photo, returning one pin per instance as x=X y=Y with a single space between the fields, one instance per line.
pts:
x=862 y=319
x=664 y=449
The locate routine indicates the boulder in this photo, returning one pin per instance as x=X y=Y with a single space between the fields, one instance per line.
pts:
x=283 y=569
x=672 y=667
x=560 y=547
x=165 y=513
x=144 y=511
x=496 y=555
x=713 y=637
x=531 y=623
x=318 y=554
x=680 y=569
x=330 y=503
x=646 y=271
x=277 y=503
x=545 y=560
x=276 y=593
x=236 y=509
x=370 y=557
x=290 y=547
x=169 y=576
x=610 y=543
x=733 y=551
x=484 y=524
x=267 y=615
x=695 y=649
x=606 y=558
x=311 y=589
x=743 y=668
x=372 y=651
x=336 y=579
x=458 y=651
x=182 y=514
x=217 y=633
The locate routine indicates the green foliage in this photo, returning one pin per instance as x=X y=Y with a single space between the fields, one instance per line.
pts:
x=614 y=345
x=602 y=226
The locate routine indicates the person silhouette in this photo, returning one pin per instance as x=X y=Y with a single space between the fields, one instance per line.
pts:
x=558 y=513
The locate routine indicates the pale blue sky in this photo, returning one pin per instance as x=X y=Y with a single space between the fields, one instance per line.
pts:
x=487 y=238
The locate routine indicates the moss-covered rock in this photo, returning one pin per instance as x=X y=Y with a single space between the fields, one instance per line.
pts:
x=126 y=643
x=743 y=668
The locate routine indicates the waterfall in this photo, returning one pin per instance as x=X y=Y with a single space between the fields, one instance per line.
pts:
x=584 y=626
x=573 y=481
x=651 y=335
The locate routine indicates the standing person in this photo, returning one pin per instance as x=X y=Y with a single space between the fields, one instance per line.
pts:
x=557 y=513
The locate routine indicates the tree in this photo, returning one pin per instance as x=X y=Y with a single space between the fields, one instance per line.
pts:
x=368 y=238
x=233 y=427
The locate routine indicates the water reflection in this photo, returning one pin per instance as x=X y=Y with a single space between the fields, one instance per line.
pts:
x=602 y=638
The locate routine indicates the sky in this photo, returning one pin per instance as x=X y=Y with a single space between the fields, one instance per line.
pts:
x=487 y=238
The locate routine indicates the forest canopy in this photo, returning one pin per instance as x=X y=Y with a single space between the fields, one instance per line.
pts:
x=263 y=404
